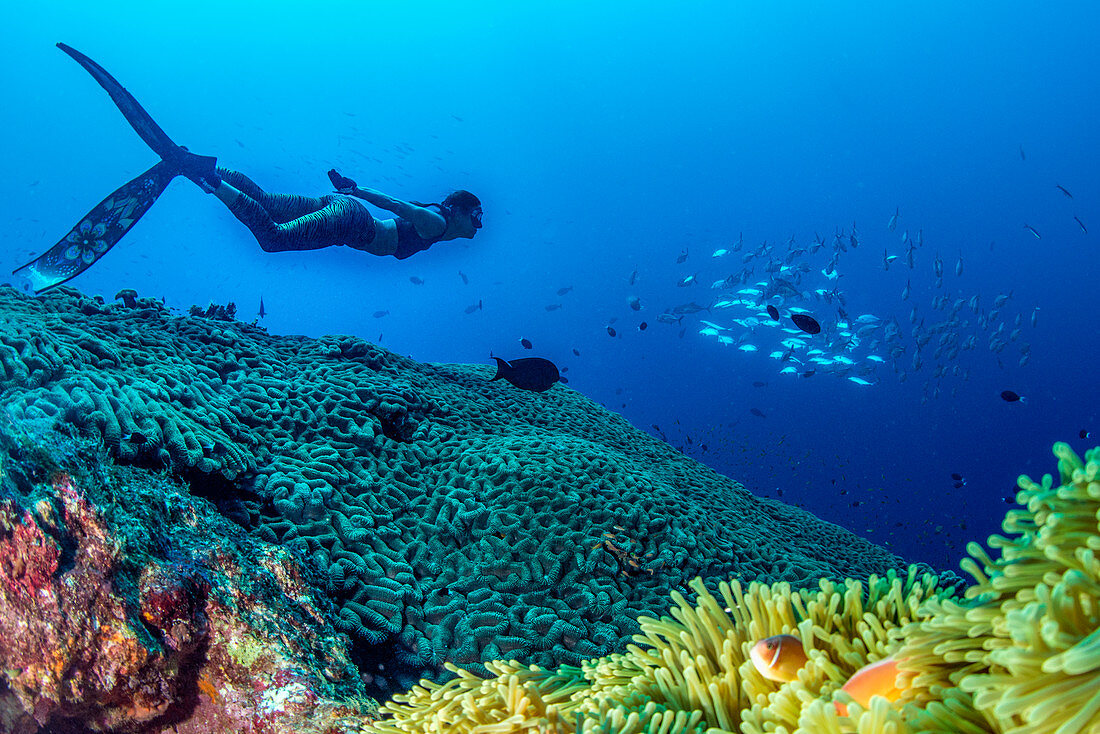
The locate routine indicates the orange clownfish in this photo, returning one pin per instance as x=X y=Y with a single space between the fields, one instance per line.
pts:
x=778 y=658
x=876 y=679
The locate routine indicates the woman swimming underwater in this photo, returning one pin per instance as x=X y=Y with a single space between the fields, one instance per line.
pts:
x=280 y=222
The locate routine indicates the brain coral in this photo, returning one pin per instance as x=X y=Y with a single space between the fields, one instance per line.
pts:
x=451 y=519
x=1018 y=653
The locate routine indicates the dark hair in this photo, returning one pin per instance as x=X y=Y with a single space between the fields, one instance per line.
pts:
x=461 y=199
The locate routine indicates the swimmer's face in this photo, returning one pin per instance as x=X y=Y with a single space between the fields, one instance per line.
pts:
x=467 y=223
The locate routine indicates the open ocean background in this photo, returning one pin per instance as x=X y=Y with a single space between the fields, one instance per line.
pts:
x=609 y=138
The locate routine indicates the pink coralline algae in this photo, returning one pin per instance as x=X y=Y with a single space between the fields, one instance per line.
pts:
x=86 y=644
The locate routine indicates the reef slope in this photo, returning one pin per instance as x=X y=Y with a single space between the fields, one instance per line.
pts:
x=448 y=518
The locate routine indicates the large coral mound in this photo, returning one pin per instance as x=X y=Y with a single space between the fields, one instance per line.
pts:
x=1018 y=653
x=451 y=519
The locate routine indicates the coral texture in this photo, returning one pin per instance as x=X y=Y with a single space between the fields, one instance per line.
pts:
x=1019 y=652
x=127 y=605
x=450 y=518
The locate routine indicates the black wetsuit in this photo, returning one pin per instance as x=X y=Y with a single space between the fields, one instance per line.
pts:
x=282 y=222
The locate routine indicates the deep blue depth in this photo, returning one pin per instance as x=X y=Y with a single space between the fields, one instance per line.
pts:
x=604 y=141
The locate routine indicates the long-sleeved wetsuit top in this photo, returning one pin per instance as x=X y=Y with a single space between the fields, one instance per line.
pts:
x=282 y=222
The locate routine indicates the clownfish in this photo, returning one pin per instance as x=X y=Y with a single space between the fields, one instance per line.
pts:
x=778 y=658
x=876 y=679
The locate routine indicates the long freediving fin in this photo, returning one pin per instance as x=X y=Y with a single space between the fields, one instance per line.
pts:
x=130 y=108
x=98 y=231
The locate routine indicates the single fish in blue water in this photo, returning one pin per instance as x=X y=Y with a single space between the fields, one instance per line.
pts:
x=530 y=373
x=465 y=280
x=416 y=280
x=473 y=307
x=525 y=343
x=1033 y=231
x=807 y=323
x=563 y=291
x=1062 y=188
x=262 y=312
x=380 y=314
x=1011 y=397
x=757 y=412
x=682 y=256
x=1080 y=224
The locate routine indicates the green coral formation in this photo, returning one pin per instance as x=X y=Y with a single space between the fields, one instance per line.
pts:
x=1018 y=653
x=451 y=519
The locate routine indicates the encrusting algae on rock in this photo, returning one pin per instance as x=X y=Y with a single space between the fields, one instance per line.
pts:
x=1017 y=653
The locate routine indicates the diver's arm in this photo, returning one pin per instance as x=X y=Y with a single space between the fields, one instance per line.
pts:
x=427 y=222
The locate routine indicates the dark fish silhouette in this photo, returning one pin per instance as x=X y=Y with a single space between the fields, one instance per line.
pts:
x=611 y=331
x=262 y=312
x=757 y=412
x=563 y=291
x=576 y=352
x=416 y=281
x=380 y=314
x=1084 y=433
x=473 y=307
x=643 y=326
x=530 y=373
x=956 y=476
x=808 y=324
x=526 y=343
x=1010 y=397
x=759 y=384
x=1080 y=224
x=465 y=280
x=1063 y=190
x=773 y=312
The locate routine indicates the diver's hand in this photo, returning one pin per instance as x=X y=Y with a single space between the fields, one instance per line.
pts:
x=340 y=183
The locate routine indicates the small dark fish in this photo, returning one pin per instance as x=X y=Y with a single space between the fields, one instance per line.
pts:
x=1010 y=397
x=416 y=281
x=262 y=312
x=682 y=256
x=561 y=379
x=757 y=412
x=526 y=343
x=530 y=373
x=1022 y=156
x=956 y=476
x=135 y=437
x=1063 y=190
x=759 y=384
x=808 y=373
x=473 y=307
x=576 y=352
x=611 y=331
x=465 y=280
x=643 y=326
x=773 y=312
x=808 y=324
x=633 y=277
x=552 y=306
x=634 y=302
x=380 y=314
x=1034 y=231
x=1080 y=224
x=1084 y=433
x=563 y=291
x=958 y=485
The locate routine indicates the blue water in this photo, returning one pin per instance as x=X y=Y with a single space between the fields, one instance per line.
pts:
x=612 y=138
